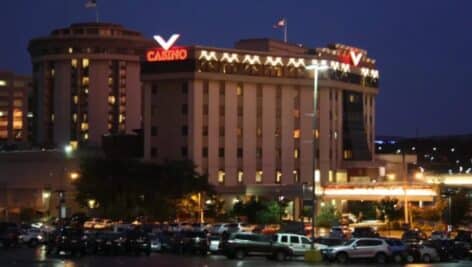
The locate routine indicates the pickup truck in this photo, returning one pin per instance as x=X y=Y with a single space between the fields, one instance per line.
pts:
x=240 y=245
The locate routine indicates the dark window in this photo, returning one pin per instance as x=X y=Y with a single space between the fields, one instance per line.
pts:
x=205 y=130
x=222 y=110
x=205 y=152
x=154 y=89
x=305 y=240
x=221 y=152
x=153 y=130
x=294 y=239
x=153 y=152
x=185 y=88
x=184 y=109
x=222 y=131
x=184 y=130
x=258 y=152
x=284 y=239
x=240 y=152
x=205 y=109
x=183 y=151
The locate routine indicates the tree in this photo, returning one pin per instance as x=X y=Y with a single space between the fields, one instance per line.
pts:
x=131 y=188
x=389 y=210
x=259 y=211
x=328 y=216
x=362 y=209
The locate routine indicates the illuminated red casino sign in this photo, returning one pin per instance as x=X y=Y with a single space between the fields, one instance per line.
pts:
x=353 y=58
x=167 y=52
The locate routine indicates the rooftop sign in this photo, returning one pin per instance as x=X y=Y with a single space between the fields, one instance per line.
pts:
x=167 y=51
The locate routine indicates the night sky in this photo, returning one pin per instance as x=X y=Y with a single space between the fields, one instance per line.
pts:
x=422 y=47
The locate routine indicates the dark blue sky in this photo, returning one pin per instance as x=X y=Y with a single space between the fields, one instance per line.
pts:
x=422 y=47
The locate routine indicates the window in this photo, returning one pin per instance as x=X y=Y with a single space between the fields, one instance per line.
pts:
x=259 y=177
x=278 y=177
x=184 y=130
x=222 y=131
x=153 y=152
x=240 y=176
x=205 y=109
x=153 y=130
x=294 y=240
x=239 y=153
x=305 y=240
x=184 y=109
x=258 y=152
x=221 y=152
x=205 y=130
x=239 y=90
x=205 y=152
x=184 y=88
x=284 y=239
x=347 y=154
x=296 y=133
x=296 y=153
x=183 y=151
x=221 y=176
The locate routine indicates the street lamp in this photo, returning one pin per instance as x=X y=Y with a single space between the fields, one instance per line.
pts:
x=316 y=68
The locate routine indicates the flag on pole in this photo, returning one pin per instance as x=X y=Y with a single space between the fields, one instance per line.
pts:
x=282 y=23
x=91 y=3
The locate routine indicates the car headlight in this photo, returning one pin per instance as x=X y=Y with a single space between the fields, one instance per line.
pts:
x=39 y=237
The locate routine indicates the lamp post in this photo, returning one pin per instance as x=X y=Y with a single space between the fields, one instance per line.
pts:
x=316 y=68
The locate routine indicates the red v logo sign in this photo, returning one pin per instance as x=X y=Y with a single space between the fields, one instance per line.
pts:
x=166 y=44
x=355 y=57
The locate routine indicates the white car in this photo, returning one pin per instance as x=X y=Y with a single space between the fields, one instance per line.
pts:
x=240 y=227
x=32 y=237
x=219 y=228
x=214 y=244
x=298 y=244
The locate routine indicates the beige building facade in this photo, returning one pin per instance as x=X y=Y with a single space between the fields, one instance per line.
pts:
x=86 y=81
x=245 y=115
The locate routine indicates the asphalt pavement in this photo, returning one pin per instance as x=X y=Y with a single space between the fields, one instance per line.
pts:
x=26 y=257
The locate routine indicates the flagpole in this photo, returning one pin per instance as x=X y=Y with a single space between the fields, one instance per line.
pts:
x=96 y=13
x=285 y=31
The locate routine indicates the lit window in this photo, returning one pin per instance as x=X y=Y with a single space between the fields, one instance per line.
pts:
x=259 y=132
x=240 y=176
x=85 y=63
x=86 y=136
x=53 y=72
x=296 y=113
x=259 y=177
x=76 y=99
x=239 y=90
x=3 y=83
x=278 y=176
x=330 y=176
x=317 y=176
x=85 y=81
x=86 y=90
x=296 y=153
x=110 y=81
x=84 y=126
x=52 y=117
x=240 y=131
x=296 y=177
x=221 y=176
x=71 y=50
x=74 y=117
x=347 y=154
x=296 y=133
x=73 y=63
x=111 y=100
x=316 y=134
x=121 y=118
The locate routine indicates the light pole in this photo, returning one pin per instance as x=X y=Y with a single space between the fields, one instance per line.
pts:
x=316 y=68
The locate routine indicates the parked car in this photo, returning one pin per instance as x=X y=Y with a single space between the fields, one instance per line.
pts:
x=364 y=231
x=102 y=224
x=421 y=253
x=66 y=241
x=137 y=242
x=444 y=247
x=195 y=242
x=91 y=223
x=337 y=232
x=370 y=248
x=297 y=244
x=240 y=245
x=413 y=236
x=435 y=235
x=214 y=247
x=9 y=233
x=31 y=237
x=156 y=243
x=219 y=228
x=240 y=227
x=398 y=248
x=325 y=242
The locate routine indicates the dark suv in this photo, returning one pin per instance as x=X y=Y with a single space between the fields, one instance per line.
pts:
x=66 y=241
x=239 y=245
x=9 y=233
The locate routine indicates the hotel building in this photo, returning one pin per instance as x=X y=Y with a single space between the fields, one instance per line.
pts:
x=14 y=105
x=245 y=115
x=86 y=83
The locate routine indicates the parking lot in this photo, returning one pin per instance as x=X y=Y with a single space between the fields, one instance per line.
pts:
x=22 y=257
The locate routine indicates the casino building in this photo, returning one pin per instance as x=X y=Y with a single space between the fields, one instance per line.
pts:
x=244 y=115
x=86 y=83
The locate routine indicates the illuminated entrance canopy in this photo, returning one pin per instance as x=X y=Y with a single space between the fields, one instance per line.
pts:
x=167 y=52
